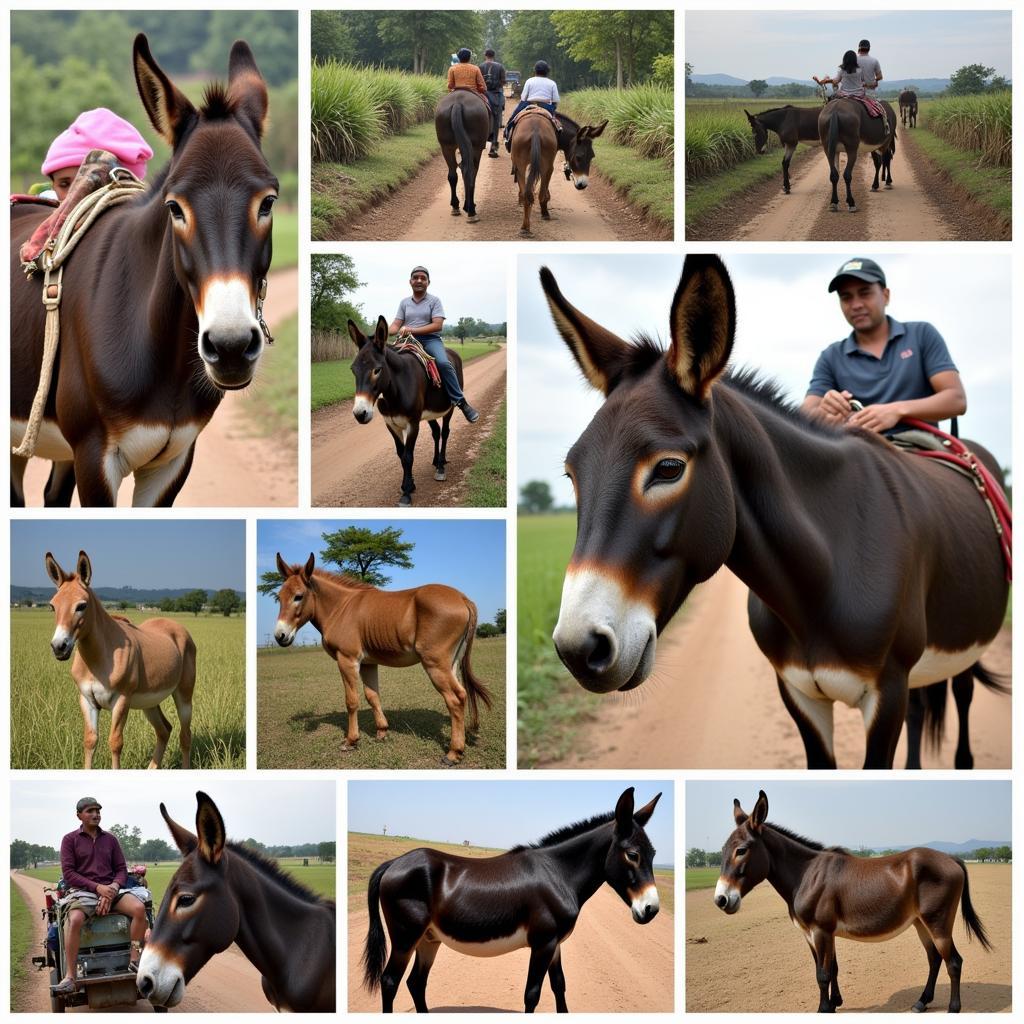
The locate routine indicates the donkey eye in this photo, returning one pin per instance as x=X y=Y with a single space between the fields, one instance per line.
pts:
x=297 y=598
x=80 y=607
x=267 y=205
x=177 y=213
x=633 y=857
x=375 y=374
x=668 y=471
x=185 y=900
x=741 y=851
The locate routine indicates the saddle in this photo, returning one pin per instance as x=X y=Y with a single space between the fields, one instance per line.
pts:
x=428 y=362
x=875 y=109
x=530 y=112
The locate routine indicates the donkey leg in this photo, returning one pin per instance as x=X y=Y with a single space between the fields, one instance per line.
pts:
x=408 y=453
x=963 y=693
x=158 y=486
x=954 y=964
x=439 y=470
x=787 y=157
x=426 y=951
x=877 y=161
x=833 y=177
x=60 y=486
x=118 y=717
x=851 y=162
x=182 y=697
x=824 y=955
x=18 y=464
x=915 y=727
x=557 y=979
x=934 y=960
x=98 y=476
x=835 y=998
x=884 y=707
x=162 y=728
x=545 y=197
x=406 y=928
x=453 y=177
x=540 y=959
x=91 y=723
x=814 y=720
x=371 y=688
x=447 y=684
x=349 y=669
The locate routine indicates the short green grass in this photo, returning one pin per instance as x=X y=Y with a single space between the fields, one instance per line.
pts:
x=340 y=191
x=701 y=878
x=21 y=944
x=301 y=717
x=274 y=410
x=487 y=485
x=286 y=238
x=646 y=183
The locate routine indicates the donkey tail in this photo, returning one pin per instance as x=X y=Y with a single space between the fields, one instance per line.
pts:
x=833 y=135
x=995 y=681
x=535 y=166
x=971 y=920
x=934 y=713
x=475 y=690
x=465 y=145
x=375 y=950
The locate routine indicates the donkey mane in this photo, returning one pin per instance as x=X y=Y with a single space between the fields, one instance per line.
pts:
x=803 y=840
x=559 y=835
x=272 y=870
x=344 y=578
x=217 y=103
x=568 y=120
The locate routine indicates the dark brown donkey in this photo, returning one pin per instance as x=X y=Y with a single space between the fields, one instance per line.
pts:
x=793 y=125
x=686 y=468
x=363 y=627
x=159 y=314
x=534 y=145
x=832 y=894
x=223 y=893
x=846 y=124
x=462 y=122
x=908 y=108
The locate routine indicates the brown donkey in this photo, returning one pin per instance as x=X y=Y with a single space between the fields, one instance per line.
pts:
x=363 y=627
x=833 y=894
x=119 y=666
x=534 y=145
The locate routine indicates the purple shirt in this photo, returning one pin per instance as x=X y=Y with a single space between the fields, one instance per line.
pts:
x=86 y=862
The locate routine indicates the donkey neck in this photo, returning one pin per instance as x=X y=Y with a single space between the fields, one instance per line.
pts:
x=340 y=595
x=582 y=858
x=100 y=634
x=790 y=860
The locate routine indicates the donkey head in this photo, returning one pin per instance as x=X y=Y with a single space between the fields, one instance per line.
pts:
x=745 y=860
x=219 y=194
x=580 y=153
x=655 y=507
x=629 y=867
x=296 y=597
x=760 y=132
x=198 y=914
x=370 y=368
x=70 y=604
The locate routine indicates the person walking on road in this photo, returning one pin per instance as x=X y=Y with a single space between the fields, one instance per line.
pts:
x=494 y=78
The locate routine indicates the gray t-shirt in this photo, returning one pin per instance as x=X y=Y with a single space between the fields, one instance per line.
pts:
x=419 y=314
x=871 y=68
x=851 y=83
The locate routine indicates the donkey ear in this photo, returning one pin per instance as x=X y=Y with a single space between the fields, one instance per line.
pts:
x=624 y=814
x=307 y=569
x=356 y=335
x=183 y=839
x=601 y=355
x=643 y=815
x=380 y=335
x=84 y=568
x=170 y=110
x=759 y=815
x=703 y=321
x=283 y=567
x=598 y=130
x=739 y=815
x=246 y=88
x=54 y=571
x=209 y=830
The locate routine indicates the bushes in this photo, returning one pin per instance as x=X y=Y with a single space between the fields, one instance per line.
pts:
x=353 y=107
x=642 y=118
x=979 y=123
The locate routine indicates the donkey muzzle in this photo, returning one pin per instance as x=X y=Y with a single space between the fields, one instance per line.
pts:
x=62 y=645
x=230 y=339
x=159 y=980
x=284 y=635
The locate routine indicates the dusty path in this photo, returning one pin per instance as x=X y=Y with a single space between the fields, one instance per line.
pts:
x=227 y=983
x=421 y=209
x=354 y=465
x=611 y=965
x=233 y=466
x=757 y=962
x=713 y=702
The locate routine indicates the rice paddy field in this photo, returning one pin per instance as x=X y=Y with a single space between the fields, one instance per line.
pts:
x=46 y=723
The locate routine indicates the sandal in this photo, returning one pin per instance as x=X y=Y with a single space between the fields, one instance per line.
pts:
x=65 y=988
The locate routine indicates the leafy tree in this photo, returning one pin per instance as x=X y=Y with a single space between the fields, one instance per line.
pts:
x=695 y=857
x=499 y=620
x=863 y=851
x=530 y=38
x=998 y=84
x=757 y=86
x=130 y=840
x=664 y=70
x=487 y=629
x=689 y=74
x=536 y=496
x=193 y=601
x=494 y=29
x=363 y=552
x=969 y=79
x=123 y=606
x=19 y=853
x=463 y=327
x=168 y=604
x=1004 y=853
x=326 y=852
x=156 y=850
x=225 y=601
x=273 y=36
x=428 y=37
x=624 y=42
x=330 y=35
x=270 y=583
x=714 y=858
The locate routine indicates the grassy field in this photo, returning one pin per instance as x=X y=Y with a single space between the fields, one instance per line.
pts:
x=646 y=183
x=301 y=717
x=46 y=723
x=332 y=381
x=274 y=410
x=488 y=487
x=286 y=237
x=21 y=943
x=701 y=878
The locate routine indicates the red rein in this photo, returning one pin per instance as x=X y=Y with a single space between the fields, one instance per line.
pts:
x=962 y=457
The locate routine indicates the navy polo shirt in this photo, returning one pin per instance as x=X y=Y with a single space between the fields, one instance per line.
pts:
x=914 y=353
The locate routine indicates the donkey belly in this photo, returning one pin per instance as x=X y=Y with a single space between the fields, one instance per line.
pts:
x=934 y=665
x=101 y=695
x=151 y=444
x=51 y=444
x=487 y=947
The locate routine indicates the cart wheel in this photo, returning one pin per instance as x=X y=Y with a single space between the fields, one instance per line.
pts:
x=56 y=1002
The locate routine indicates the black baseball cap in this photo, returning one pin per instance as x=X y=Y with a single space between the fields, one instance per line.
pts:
x=864 y=44
x=87 y=801
x=862 y=269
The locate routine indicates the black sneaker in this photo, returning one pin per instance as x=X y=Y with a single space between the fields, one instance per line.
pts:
x=468 y=411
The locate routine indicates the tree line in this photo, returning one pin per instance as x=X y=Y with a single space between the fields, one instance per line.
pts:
x=223 y=602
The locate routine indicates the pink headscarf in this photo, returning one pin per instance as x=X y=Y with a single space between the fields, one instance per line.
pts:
x=98 y=129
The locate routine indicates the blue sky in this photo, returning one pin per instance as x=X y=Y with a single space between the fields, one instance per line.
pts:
x=785 y=317
x=854 y=814
x=798 y=44
x=501 y=813
x=468 y=554
x=144 y=554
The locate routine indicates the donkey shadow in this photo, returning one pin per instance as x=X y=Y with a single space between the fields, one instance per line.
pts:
x=974 y=996
x=420 y=723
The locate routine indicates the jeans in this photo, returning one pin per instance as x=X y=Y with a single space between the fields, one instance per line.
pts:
x=523 y=104
x=435 y=347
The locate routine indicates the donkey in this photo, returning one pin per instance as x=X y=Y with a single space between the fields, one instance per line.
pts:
x=830 y=894
x=908 y=108
x=396 y=384
x=531 y=896
x=225 y=892
x=462 y=122
x=119 y=666
x=576 y=144
x=534 y=145
x=363 y=627
x=846 y=123
x=793 y=125
x=160 y=310
x=686 y=468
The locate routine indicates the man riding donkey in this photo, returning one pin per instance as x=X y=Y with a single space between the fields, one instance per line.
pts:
x=494 y=78
x=857 y=73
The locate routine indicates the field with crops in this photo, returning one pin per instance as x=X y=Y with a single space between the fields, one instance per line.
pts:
x=980 y=124
x=46 y=723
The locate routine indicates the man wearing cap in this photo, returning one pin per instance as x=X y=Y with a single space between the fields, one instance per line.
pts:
x=884 y=371
x=494 y=78
x=94 y=868
x=870 y=68
x=421 y=316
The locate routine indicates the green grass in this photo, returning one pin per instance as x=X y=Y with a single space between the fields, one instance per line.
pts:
x=701 y=878
x=646 y=183
x=332 y=381
x=21 y=943
x=286 y=238
x=641 y=117
x=665 y=879
x=488 y=485
x=980 y=125
x=275 y=407
x=46 y=723
x=301 y=717
x=340 y=191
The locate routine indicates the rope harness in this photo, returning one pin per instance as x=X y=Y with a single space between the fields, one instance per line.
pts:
x=427 y=361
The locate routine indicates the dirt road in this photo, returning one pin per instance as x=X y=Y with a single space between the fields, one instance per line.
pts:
x=922 y=205
x=757 y=962
x=228 y=983
x=354 y=465
x=421 y=209
x=233 y=466
x=713 y=702
x=611 y=966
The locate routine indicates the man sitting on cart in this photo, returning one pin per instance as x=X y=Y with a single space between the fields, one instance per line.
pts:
x=95 y=872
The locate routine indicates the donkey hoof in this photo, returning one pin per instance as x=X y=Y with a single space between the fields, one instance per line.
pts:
x=456 y=212
x=853 y=208
x=472 y=219
x=440 y=476
x=382 y=734
x=523 y=233
x=446 y=762
x=347 y=748
x=544 y=215
x=919 y=1007
x=888 y=184
x=833 y=207
x=404 y=501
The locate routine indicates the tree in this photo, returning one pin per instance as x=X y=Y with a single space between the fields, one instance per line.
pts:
x=123 y=606
x=624 y=42
x=499 y=620
x=193 y=601
x=464 y=327
x=757 y=86
x=156 y=849
x=530 y=38
x=998 y=84
x=688 y=70
x=331 y=279
x=19 y=853
x=426 y=37
x=663 y=70
x=362 y=552
x=969 y=79
x=536 y=496
x=330 y=36
x=326 y=852
x=225 y=601
x=168 y=604
x=130 y=840
x=270 y=583
x=696 y=857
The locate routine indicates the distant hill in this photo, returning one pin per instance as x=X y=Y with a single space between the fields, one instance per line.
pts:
x=959 y=849
x=921 y=85
x=718 y=80
x=42 y=595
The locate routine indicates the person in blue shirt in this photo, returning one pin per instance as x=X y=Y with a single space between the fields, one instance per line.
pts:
x=884 y=371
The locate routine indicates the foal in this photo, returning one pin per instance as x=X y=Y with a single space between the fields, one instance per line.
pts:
x=119 y=666
x=832 y=894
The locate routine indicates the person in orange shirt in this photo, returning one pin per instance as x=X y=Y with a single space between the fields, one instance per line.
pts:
x=466 y=76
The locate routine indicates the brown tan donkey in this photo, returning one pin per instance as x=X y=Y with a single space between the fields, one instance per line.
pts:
x=119 y=666
x=362 y=627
